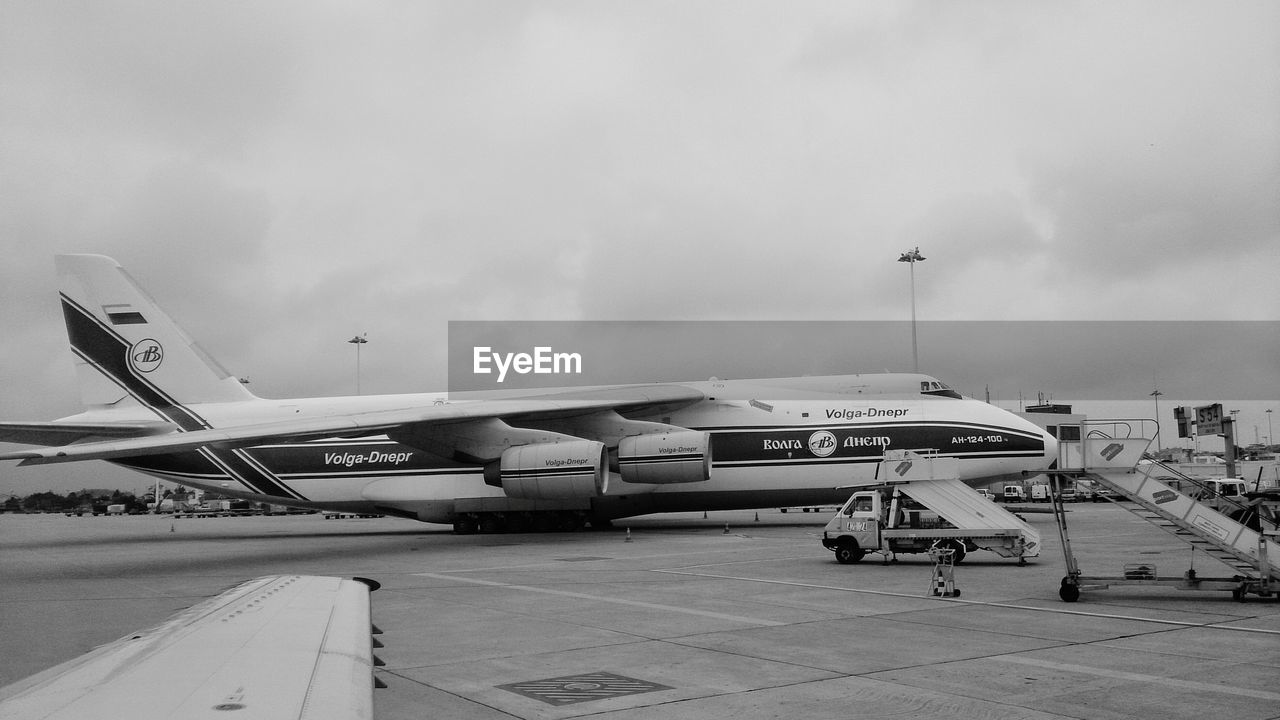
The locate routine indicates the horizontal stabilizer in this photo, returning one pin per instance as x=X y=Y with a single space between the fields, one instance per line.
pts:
x=60 y=433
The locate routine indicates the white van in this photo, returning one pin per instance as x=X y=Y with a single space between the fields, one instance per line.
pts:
x=1222 y=494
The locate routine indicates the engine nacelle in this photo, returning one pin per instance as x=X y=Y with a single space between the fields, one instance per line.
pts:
x=544 y=471
x=673 y=457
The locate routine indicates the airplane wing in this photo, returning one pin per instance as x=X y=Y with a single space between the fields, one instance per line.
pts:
x=549 y=406
x=276 y=647
x=61 y=433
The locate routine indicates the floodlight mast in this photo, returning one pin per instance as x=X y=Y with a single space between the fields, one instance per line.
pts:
x=358 y=340
x=911 y=257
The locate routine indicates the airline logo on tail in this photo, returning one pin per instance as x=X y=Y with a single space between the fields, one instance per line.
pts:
x=146 y=355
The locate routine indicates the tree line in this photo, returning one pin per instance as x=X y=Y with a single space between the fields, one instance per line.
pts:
x=81 y=501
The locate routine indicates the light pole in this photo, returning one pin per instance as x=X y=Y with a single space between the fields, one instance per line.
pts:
x=1270 y=435
x=1156 y=394
x=358 y=341
x=911 y=257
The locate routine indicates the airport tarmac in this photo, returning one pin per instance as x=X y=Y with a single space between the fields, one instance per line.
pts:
x=686 y=619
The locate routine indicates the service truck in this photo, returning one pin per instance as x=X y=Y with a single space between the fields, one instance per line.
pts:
x=925 y=505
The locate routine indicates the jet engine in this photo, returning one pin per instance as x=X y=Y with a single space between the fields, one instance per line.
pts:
x=544 y=471
x=673 y=457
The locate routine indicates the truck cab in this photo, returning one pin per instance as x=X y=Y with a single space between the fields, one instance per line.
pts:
x=857 y=525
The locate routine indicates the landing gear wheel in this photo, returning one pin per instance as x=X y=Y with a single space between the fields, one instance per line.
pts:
x=849 y=552
x=517 y=523
x=492 y=523
x=1239 y=592
x=1069 y=592
x=569 y=521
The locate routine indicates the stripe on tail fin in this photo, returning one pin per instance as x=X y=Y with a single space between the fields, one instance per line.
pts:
x=127 y=347
x=129 y=350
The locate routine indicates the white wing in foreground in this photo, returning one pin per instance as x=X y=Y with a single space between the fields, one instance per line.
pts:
x=276 y=647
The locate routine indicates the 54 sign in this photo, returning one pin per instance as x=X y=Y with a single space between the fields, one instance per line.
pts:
x=1209 y=419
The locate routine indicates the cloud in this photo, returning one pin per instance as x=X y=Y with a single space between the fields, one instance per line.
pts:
x=284 y=176
x=202 y=80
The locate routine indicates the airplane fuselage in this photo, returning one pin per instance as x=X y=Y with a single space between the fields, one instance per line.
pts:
x=764 y=453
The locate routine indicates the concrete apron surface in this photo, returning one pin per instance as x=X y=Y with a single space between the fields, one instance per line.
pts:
x=682 y=617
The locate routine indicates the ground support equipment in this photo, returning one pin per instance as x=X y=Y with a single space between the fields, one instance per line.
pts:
x=943 y=583
x=1114 y=463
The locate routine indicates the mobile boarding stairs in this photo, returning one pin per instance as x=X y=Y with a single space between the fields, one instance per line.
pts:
x=1114 y=463
x=965 y=521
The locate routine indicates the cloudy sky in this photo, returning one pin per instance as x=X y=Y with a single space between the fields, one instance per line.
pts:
x=282 y=176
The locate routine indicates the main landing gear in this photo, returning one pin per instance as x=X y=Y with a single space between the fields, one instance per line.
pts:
x=523 y=522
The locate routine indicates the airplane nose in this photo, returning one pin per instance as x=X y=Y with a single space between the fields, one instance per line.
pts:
x=1050 y=450
x=1046 y=460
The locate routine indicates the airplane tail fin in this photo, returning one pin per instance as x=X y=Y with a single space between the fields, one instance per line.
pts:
x=127 y=349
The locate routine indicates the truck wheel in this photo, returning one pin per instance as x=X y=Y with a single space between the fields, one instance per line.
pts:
x=849 y=552
x=958 y=556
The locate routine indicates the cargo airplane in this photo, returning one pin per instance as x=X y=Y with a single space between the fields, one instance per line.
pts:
x=502 y=461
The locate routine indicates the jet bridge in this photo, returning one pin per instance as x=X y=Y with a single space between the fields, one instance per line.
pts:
x=1157 y=496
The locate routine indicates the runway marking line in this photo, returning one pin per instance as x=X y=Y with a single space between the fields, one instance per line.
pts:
x=598 y=598
x=1012 y=606
x=1181 y=684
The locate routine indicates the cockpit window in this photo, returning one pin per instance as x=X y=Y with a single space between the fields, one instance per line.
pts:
x=941 y=389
